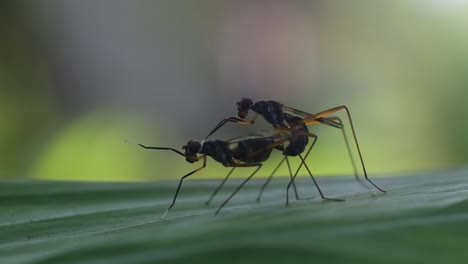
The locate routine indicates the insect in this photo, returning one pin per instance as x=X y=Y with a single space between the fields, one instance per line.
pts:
x=245 y=142
x=273 y=113
x=298 y=140
x=247 y=153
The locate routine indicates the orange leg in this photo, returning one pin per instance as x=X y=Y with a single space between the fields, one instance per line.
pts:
x=234 y=120
x=313 y=120
x=350 y=154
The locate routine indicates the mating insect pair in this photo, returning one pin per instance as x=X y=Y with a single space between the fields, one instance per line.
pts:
x=291 y=125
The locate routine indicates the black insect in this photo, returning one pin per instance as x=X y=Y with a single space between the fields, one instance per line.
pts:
x=298 y=139
x=248 y=146
x=278 y=115
x=246 y=153
x=297 y=142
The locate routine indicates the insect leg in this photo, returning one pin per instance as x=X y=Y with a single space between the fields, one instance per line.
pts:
x=334 y=110
x=350 y=154
x=234 y=120
x=180 y=184
x=290 y=176
x=337 y=123
x=297 y=171
x=220 y=186
x=259 y=165
x=271 y=175
x=316 y=185
x=268 y=180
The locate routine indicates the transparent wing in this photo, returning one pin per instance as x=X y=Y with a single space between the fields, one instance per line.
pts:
x=297 y=111
x=255 y=135
x=313 y=119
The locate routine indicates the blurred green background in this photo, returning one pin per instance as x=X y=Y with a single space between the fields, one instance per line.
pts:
x=77 y=78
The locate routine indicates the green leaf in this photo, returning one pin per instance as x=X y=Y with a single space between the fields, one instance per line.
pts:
x=422 y=219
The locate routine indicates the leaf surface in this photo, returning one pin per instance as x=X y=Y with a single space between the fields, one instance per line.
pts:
x=422 y=219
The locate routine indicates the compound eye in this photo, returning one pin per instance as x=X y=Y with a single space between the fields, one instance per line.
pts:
x=192 y=147
x=244 y=104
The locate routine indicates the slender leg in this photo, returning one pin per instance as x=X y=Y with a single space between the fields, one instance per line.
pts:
x=180 y=184
x=350 y=154
x=271 y=176
x=268 y=180
x=333 y=122
x=347 y=146
x=336 y=123
x=316 y=185
x=313 y=119
x=291 y=176
x=259 y=165
x=314 y=138
x=234 y=120
x=297 y=171
x=220 y=186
